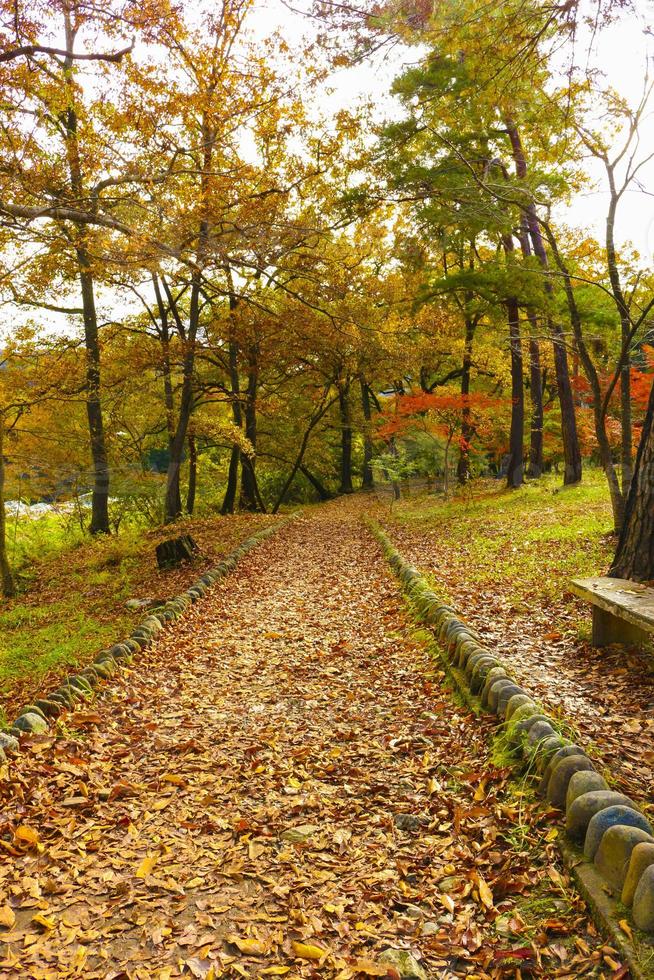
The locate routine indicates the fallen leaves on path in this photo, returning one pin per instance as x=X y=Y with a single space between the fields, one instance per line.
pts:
x=281 y=787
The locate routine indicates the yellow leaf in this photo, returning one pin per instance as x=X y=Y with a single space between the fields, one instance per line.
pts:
x=308 y=952
x=162 y=804
x=275 y=971
x=448 y=902
x=170 y=777
x=552 y=834
x=626 y=928
x=145 y=867
x=7 y=917
x=485 y=893
x=249 y=947
x=295 y=783
x=43 y=921
x=480 y=792
x=26 y=837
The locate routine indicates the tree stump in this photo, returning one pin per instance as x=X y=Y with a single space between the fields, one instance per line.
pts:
x=172 y=553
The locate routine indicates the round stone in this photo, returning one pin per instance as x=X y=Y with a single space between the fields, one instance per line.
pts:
x=539 y=732
x=31 y=722
x=546 y=749
x=582 y=810
x=512 y=691
x=515 y=702
x=8 y=743
x=526 y=710
x=494 y=674
x=642 y=857
x=557 y=787
x=643 y=907
x=611 y=817
x=565 y=750
x=495 y=690
x=614 y=853
x=584 y=782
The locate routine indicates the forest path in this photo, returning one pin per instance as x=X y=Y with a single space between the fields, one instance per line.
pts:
x=280 y=786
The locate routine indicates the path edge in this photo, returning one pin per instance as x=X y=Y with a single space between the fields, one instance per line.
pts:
x=450 y=635
x=80 y=686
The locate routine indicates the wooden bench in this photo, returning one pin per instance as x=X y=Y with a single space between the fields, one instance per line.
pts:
x=623 y=611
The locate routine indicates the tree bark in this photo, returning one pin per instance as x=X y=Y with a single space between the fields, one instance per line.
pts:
x=345 y=485
x=323 y=407
x=8 y=583
x=69 y=118
x=634 y=558
x=571 y=451
x=367 y=481
x=467 y=429
x=535 y=467
x=320 y=488
x=600 y=402
x=192 y=473
x=515 y=475
x=229 y=500
x=100 y=495
x=250 y=497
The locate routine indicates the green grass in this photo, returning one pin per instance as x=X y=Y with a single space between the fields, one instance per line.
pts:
x=530 y=540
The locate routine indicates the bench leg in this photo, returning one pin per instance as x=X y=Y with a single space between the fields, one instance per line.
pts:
x=609 y=629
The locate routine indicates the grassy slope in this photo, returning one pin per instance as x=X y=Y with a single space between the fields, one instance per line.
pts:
x=74 y=603
x=531 y=541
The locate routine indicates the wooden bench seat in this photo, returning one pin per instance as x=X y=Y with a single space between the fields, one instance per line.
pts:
x=623 y=611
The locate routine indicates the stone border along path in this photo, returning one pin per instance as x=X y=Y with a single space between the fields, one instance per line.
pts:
x=35 y=718
x=614 y=834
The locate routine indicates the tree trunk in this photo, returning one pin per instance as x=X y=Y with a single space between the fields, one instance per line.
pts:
x=166 y=371
x=599 y=400
x=100 y=496
x=192 y=473
x=634 y=558
x=173 y=504
x=467 y=429
x=345 y=485
x=229 y=500
x=250 y=497
x=571 y=451
x=321 y=490
x=516 y=438
x=367 y=481
x=535 y=467
x=8 y=584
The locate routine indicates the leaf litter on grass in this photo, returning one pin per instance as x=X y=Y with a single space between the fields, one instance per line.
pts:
x=526 y=614
x=281 y=787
